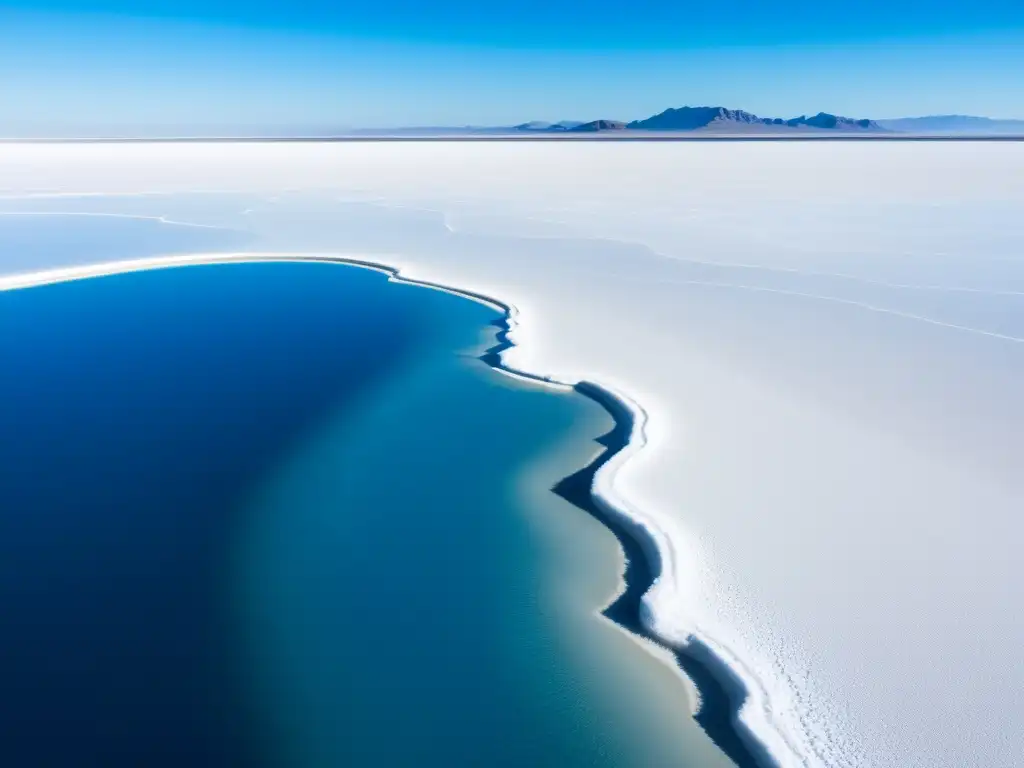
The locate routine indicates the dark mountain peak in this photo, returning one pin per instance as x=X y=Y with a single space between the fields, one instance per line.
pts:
x=696 y=118
x=712 y=119
x=692 y=118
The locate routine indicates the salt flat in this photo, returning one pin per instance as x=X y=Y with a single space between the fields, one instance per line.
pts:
x=828 y=340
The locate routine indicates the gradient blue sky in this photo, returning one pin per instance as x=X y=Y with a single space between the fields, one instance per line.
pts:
x=280 y=64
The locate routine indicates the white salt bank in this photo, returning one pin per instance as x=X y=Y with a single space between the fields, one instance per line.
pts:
x=828 y=341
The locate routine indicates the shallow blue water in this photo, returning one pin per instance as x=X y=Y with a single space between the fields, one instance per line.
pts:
x=265 y=515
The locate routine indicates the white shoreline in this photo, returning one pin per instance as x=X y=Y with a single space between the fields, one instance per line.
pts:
x=757 y=711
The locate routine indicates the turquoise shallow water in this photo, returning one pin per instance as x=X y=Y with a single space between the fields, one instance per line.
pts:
x=280 y=515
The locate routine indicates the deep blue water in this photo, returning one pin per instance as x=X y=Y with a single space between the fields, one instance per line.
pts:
x=138 y=412
x=265 y=515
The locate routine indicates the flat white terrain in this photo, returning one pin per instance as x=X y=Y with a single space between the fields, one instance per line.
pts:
x=828 y=340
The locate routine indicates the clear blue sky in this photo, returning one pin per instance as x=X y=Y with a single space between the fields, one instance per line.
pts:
x=66 y=65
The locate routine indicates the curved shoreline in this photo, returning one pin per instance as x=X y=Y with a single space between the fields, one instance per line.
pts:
x=723 y=691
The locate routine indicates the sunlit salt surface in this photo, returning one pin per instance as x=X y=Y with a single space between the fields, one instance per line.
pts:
x=827 y=341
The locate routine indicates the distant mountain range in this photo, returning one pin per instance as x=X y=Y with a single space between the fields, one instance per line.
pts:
x=717 y=119
x=737 y=121
x=696 y=120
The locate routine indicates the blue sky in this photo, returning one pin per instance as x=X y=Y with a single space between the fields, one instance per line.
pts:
x=288 y=64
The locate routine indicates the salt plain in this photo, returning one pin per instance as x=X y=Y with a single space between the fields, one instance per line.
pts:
x=827 y=341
